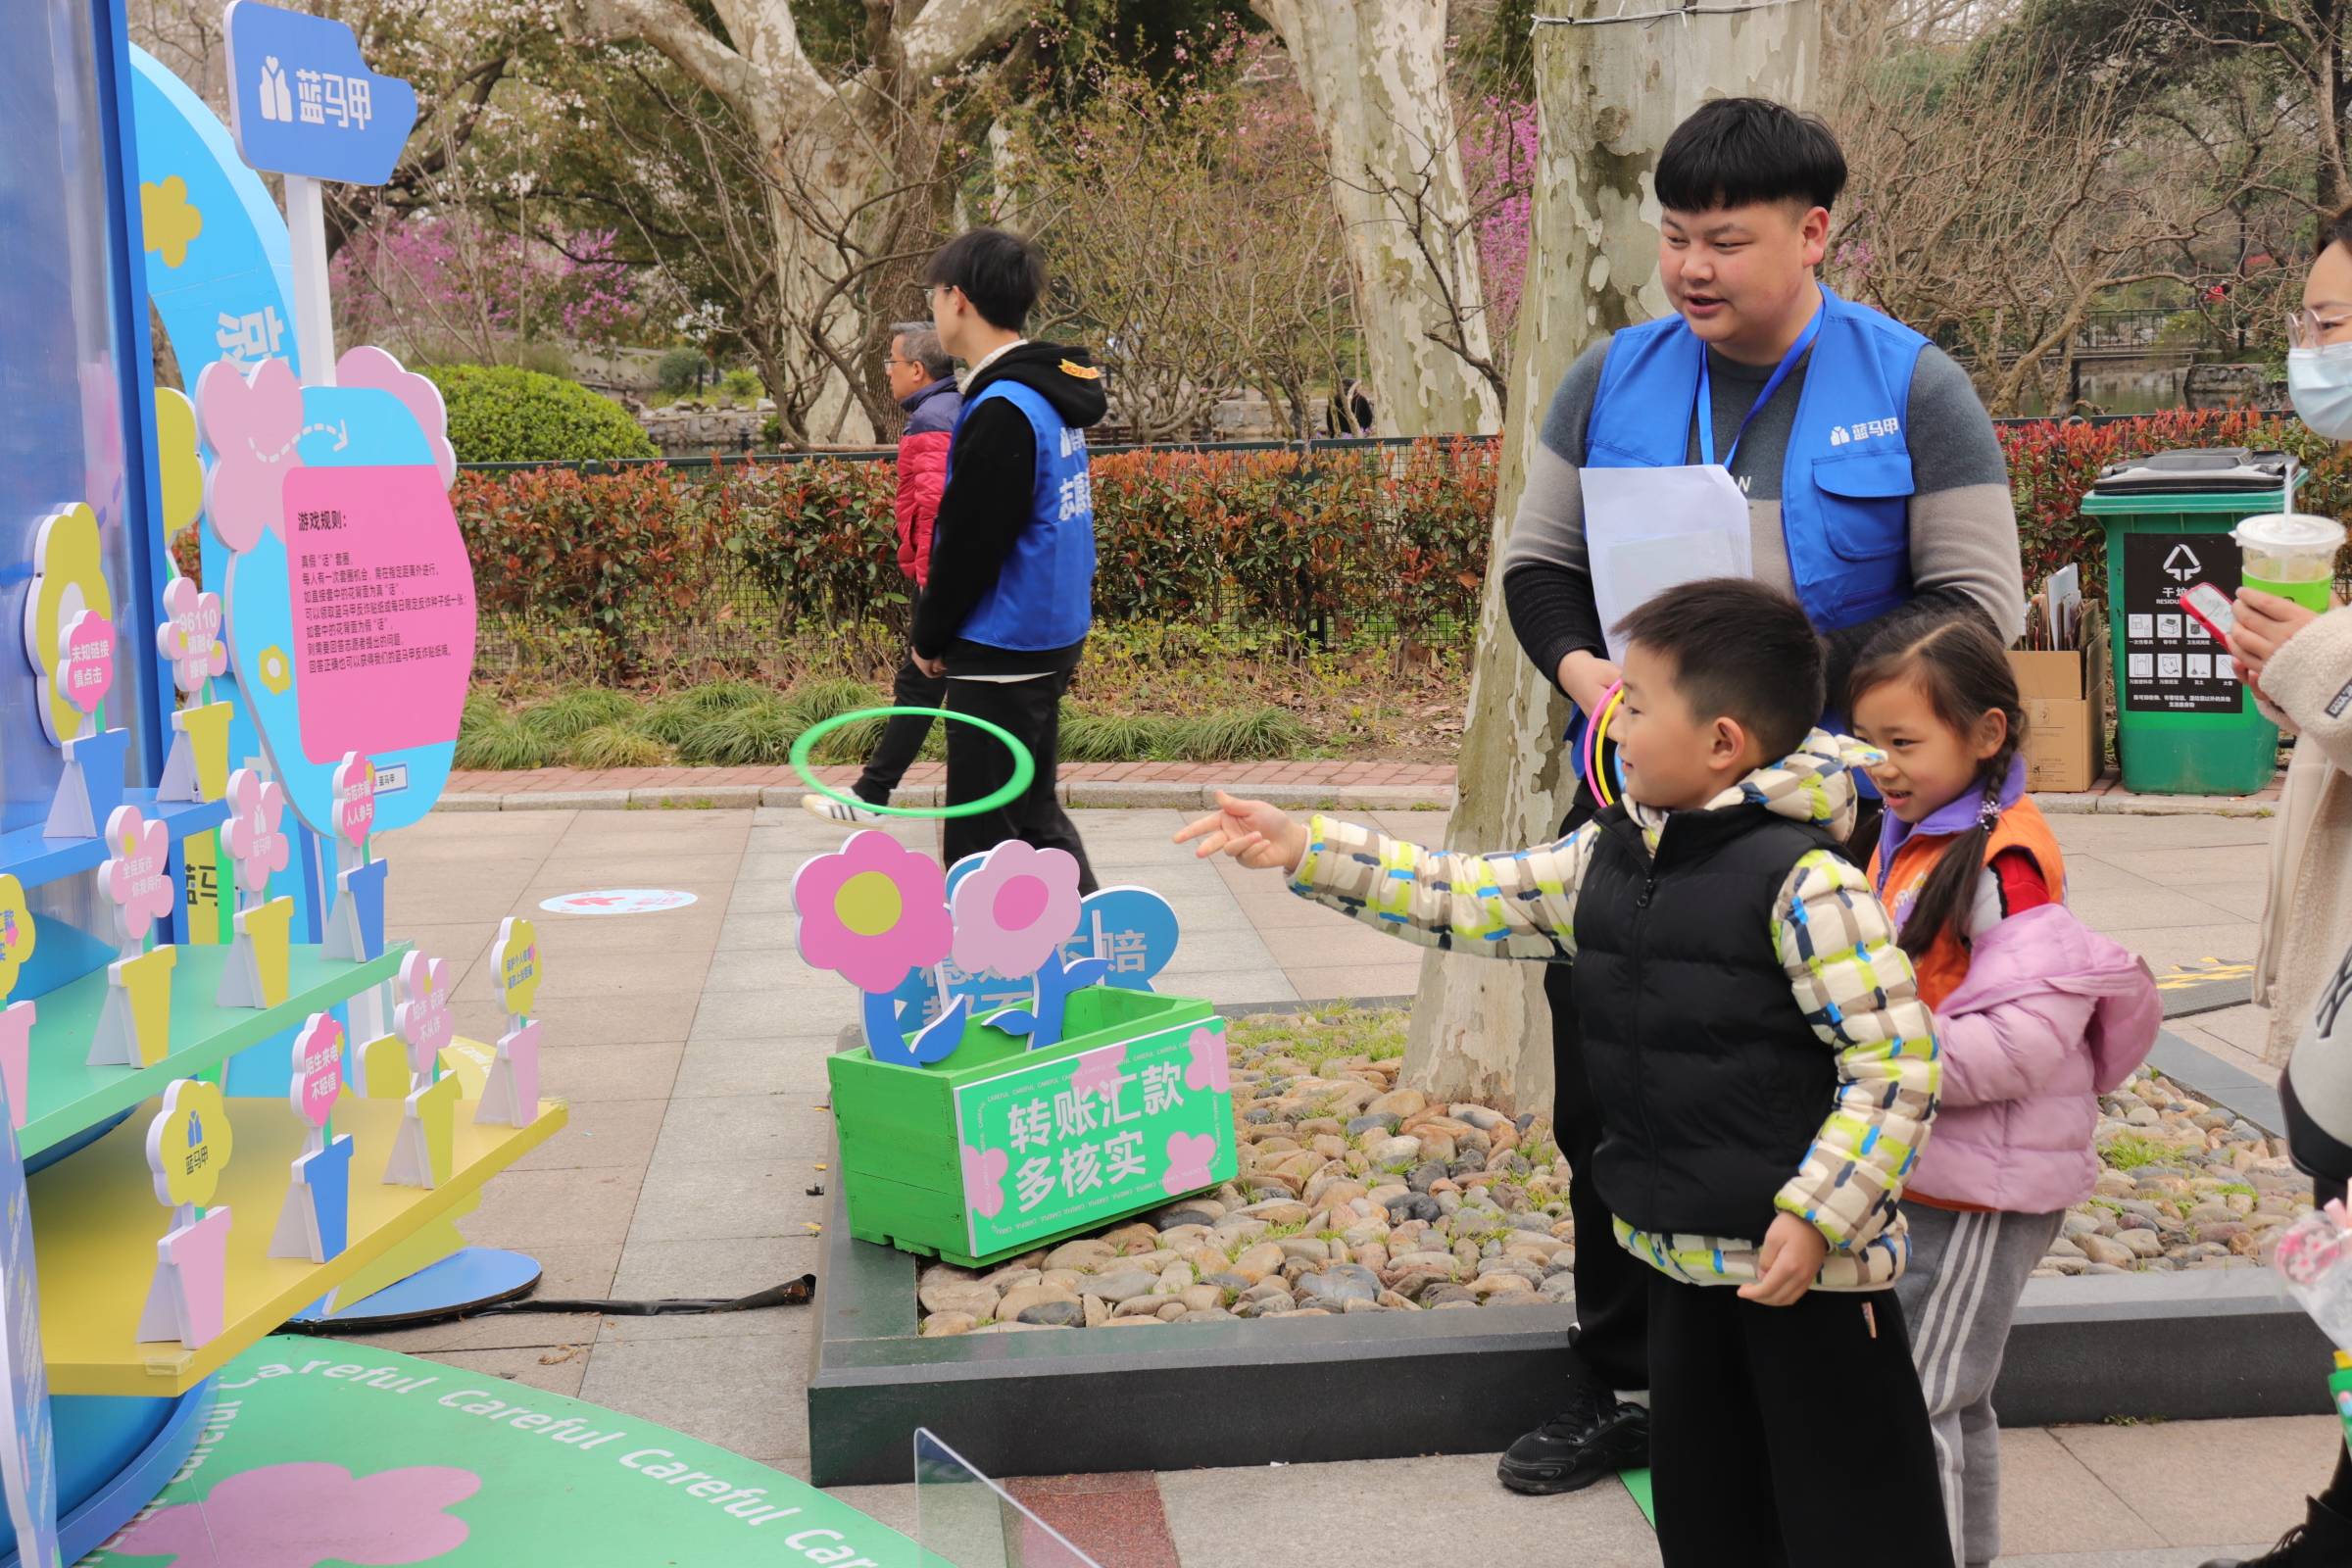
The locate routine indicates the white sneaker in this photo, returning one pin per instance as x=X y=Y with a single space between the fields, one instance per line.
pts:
x=833 y=811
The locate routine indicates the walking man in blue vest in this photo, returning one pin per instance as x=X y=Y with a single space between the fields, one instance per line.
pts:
x=1837 y=454
x=1005 y=613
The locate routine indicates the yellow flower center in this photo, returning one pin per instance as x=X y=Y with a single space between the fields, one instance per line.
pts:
x=869 y=904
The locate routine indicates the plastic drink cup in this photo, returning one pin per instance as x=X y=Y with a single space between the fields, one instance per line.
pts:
x=2339 y=1389
x=2292 y=556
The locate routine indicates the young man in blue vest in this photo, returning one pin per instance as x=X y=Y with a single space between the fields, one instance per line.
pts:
x=1005 y=614
x=1872 y=479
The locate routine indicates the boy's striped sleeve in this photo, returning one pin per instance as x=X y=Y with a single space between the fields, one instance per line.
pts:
x=1856 y=988
x=1513 y=904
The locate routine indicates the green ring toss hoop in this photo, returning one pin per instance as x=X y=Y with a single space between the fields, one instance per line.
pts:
x=1024 y=765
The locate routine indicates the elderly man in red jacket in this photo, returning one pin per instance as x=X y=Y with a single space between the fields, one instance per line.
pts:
x=922 y=378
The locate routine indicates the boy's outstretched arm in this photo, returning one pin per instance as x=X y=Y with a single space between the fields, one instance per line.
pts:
x=1856 y=988
x=1511 y=904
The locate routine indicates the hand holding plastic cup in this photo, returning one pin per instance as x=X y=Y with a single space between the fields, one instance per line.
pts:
x=2292 y=556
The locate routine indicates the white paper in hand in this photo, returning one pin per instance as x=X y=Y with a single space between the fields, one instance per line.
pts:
x=1650 y=530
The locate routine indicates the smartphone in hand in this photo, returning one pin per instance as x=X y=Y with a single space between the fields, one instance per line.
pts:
x=2212 y=609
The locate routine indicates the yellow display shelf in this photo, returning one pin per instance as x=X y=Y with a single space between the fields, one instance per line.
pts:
x=64 y=1093
x=96 y=1222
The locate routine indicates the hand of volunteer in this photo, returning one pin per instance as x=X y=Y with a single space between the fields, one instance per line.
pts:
x=933 y=667
x=1260 y=836
x=1586 y=679
x=2251 y=676
x=2265 y=621
x=1791 y=1258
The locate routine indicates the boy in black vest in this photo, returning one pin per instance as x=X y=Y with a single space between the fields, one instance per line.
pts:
x=1765 y=1071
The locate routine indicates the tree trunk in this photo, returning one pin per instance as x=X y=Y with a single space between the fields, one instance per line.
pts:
x=1607 y=98
x=1375 y=71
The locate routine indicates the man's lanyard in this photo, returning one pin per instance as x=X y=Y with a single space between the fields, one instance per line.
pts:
x=1706 y=397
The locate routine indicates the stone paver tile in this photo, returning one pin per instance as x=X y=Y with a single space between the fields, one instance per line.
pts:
x=528 y=1208
x=1270 y=908
x=1227 y=988
x=706 y=876
x=789 y=1065
x=765 y=969
x=1229 y=1516
x=893 y=1507
x=613 y=1020
x=654 y=1270
x=1419 y=827
x=601 y=1133
x=2250 y=1477
x=569 y=936
x=1112 y=1518
x=1351 y=942
x=646 y=972
x=1218 y=910
x=2050 y=1501
x=2239 y=895
x=2091 y=834
x=1219 y=952
x=762 y=1015
x=748 y=931
x=548 y=825
x=2234 y=863
x=771 y=1127
x=2139 y=906
x=718 y=1200
x=1176 y=872
x=628 y=831
x=445 y=900
x=1356 y=982
x=560 y=1369
x=2169 y=947
x=2244 y=1027
x=2244 y=1060
x=761 y=895
x=570 y=1271
x=463 y=944
x=725 y=1391
x=582 y=1074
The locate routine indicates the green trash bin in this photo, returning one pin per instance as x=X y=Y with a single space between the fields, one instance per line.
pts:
x=2185 y=724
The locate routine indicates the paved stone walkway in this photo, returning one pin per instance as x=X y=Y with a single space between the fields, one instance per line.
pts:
x=691 y=1046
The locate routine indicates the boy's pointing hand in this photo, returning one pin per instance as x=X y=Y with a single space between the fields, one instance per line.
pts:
x=1260 y=836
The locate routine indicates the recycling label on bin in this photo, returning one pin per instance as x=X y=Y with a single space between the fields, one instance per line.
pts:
x=2170 y=665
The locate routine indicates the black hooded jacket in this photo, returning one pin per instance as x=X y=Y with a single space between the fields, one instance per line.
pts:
x=992 y=472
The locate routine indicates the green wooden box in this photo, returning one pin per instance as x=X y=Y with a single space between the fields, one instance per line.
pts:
x=1000 y=1150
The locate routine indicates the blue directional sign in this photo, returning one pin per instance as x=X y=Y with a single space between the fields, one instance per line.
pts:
x=301 y=101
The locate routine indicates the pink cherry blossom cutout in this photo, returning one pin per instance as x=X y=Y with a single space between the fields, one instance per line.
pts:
x=984 y=1180
x=257 y=839
x=1189 y=1155
x=138 y=875
x=190 y=635
x=307 y=1515
x=1100 y=1072
x=370 y=366
x=254 y=425
x=1211 y=1067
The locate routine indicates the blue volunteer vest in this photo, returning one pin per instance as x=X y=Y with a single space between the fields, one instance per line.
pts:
x=1043 y=598
x=1847 y=484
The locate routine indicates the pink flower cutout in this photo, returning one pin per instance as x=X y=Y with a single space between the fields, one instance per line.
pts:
x=873 y=911
x=138 y=878
x=318 y=1069
x=1189 y=1155
x=1014 y=909
x=984 y=1180
x=191 y=635
x=85 y=670
x=422 y=1021
x=253 y=425
x=1100 y=1072
x=306 y=1516
x=372 y=366
x=255 y=840
x=1210 y=1068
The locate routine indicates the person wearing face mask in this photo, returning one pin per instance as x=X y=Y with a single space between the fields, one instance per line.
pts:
x=2298 y=663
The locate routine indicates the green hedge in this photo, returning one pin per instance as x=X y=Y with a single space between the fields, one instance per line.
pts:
x=497 y=413
x=1267 y=538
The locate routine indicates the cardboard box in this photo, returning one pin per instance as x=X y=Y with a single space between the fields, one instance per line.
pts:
x=2066 y=724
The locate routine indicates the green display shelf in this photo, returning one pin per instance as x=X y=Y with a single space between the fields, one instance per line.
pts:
x=66 y=1096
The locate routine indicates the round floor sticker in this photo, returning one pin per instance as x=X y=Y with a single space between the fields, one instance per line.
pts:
x=618 y=901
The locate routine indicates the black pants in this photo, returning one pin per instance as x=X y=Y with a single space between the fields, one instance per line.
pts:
x=1788 y=1437
x=978 y=765
x=902 y=737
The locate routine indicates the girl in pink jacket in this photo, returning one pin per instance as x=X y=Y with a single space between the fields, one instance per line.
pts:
x=2036 y=1015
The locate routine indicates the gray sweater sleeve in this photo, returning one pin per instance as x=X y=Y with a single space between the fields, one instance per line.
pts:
x=1547 y=577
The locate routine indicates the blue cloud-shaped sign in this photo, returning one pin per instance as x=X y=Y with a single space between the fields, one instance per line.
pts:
x=303 y=102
